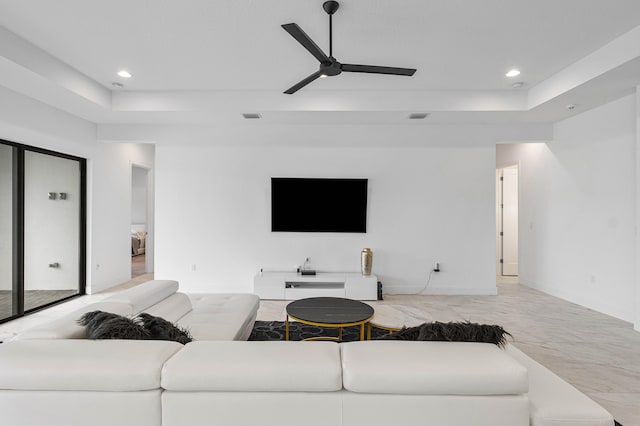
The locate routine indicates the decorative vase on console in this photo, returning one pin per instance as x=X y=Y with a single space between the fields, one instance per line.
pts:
x=366 y=261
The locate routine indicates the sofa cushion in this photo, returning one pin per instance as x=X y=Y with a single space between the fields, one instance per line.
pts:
x=431 y=368
x=366 y=409
x=253 y=409
x=219 y=302
x=221 y=316
x=67 y=327
x=214 y=325
x=146 y=294
x=254 y=367
x=80 y=408
x=554 y=402
x=89 y=365
x=172 y=308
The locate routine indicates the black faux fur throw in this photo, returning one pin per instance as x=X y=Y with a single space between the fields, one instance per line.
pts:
x=453 y=332
x=106 y=325
x=161 y=329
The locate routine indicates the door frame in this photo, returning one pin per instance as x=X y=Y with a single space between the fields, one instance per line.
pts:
x=500 y=215
x=150 y=214
x=18 y=188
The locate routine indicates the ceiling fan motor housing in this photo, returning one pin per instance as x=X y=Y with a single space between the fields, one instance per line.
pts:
x=330 y=67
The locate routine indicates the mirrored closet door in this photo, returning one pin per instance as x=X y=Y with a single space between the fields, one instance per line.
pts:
x=45 y=223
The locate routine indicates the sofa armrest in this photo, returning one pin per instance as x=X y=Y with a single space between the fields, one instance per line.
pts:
x=555 y=402
x=67 y=327
x=147 y=294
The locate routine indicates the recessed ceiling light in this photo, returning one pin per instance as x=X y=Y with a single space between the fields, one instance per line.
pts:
x=251 y=115
x=124 y=74
x=513 y=73
x=418 y=115
x=118 y=85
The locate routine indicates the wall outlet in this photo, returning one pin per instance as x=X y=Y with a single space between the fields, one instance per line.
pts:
x=436 y=267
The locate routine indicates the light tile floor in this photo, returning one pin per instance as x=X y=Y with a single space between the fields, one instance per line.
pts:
x=598 y=354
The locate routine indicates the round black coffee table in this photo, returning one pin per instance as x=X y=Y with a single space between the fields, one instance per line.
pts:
x=334 y=312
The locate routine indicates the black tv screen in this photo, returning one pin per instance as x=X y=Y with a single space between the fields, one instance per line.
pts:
x=318 y=205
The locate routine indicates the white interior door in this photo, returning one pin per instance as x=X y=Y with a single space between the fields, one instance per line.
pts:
x=509 y=231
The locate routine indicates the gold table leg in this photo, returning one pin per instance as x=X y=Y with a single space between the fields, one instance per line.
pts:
x=339 y=326
x=286 y=328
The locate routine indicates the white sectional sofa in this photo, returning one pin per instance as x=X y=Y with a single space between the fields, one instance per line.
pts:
x=52 y=376
x=212 y=316
x=358 y=383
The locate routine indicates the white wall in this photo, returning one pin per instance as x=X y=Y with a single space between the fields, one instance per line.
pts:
x=6 y=217
x=577 y=209
x=425 y=205
x=32 y=123
x=111 y=228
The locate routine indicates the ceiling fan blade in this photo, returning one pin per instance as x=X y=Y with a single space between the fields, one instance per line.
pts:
x=305 y=40
x=293 y=89
x=373 y=69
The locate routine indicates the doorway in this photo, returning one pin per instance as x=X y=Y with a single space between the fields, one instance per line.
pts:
x=141 y=221
x=507 y=221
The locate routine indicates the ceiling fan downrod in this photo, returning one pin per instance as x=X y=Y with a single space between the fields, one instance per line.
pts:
x=330 y=7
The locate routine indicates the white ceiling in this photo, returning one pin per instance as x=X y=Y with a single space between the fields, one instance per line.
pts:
x=188 y=55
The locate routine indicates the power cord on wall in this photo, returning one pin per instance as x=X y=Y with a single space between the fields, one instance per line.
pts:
x=436 y=268
x=427 y=284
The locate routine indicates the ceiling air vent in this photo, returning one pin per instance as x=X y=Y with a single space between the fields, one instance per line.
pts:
x=418 y=115
x=251 y=115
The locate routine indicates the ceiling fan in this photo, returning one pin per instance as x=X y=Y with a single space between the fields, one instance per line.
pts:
x=329 y=66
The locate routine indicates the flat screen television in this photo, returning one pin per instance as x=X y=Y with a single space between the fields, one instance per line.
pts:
x=318 y=205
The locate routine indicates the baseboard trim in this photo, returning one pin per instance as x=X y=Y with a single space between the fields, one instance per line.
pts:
x=586 y=302
x=458 y=291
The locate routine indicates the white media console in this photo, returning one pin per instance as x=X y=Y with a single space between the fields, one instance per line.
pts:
x=293 y=286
